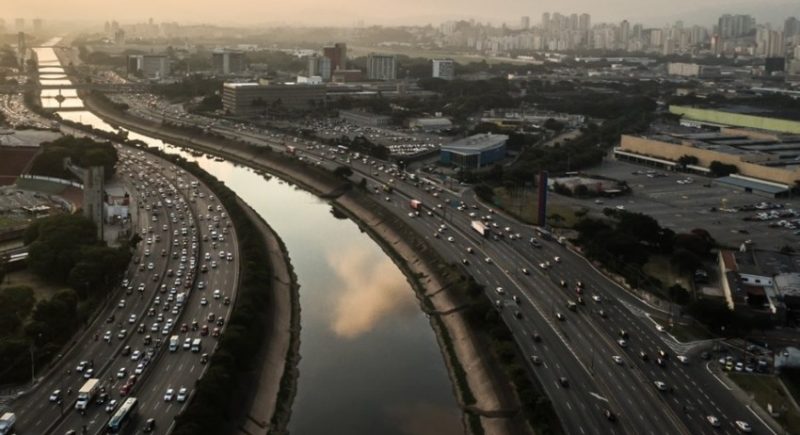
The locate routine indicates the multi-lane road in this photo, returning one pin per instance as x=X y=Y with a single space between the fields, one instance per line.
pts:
x=188 y=246
x=577 y=357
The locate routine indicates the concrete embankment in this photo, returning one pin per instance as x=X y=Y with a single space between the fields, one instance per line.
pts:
x=485 y=393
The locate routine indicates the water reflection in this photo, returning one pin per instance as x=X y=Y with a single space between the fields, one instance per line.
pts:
x=424 y=418
x=370 y=290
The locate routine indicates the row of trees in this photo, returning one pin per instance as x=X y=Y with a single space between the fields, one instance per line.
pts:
x=83 y=152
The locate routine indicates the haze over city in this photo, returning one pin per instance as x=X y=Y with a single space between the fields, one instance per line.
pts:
x=384 y=12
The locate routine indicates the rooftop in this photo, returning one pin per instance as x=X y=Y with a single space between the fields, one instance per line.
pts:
x=476 y=143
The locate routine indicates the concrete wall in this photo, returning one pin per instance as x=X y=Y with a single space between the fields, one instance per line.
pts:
x=737 y=119
x=669 y=151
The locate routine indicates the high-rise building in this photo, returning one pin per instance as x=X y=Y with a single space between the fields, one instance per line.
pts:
x=624 y=34
x=228 y=62
x=381 y=67
x=37 y=25
x=734 y=26
x=337 y=55
x=444 y=69
x=791 y=27
x=584 y=22
x=319 y=66
x=525 y=23
x=19 y=24
x=573 y=22
x=149 y=66
x=546 y=21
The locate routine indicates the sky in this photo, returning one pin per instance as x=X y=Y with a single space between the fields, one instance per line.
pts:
x=387 y=12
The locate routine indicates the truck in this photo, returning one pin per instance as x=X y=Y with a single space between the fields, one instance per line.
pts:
x=173 y=343
x=196 y=345
x=87 y=393
x=415 y=204
x=480 y=228
x=7 y=423
x=180 y=298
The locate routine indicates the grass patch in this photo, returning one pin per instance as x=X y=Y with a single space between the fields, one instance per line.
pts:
x=686 y=333
x=523 y=204
x=659 y=267
x=767 y=390
x=41 y=289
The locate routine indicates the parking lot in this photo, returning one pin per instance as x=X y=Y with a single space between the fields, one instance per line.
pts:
x=698 y=203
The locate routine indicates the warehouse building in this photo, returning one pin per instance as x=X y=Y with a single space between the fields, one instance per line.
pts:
x=474 y=152
x=248 y=99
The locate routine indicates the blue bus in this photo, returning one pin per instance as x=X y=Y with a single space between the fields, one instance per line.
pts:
x=122 y=415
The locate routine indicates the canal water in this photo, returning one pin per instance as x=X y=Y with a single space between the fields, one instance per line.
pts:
x=370 y=361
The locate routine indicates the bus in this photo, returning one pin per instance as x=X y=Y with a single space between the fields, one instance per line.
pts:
x=122 y=415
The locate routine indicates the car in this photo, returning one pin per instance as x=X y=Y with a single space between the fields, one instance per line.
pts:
x=617 y=359
x=500 y=291
x=149 y=425
x=88 y=373
x=713 y=420
x=517 y=314
x=121 y=303
x=55 y=396
x=564 y=382
x=623 y=334
x=597 y=298
x=661 y=362
x=183 y=393
x=488 y=260
x=139 y=369
x=132 y=319
x=543 y=266
x=610 y=415
x=82 y=366
x=557 y=259
x=560 y=316
x=204 y=358
x=563 y=283
x=465 y=262
x=622 y=343
x=169 y=395
x=660 y=328
x=122 y=333
x=536 y=360
x=743 y=426
x=217 y=294
x=469 y=250
x=660 y=385
x=111 y=405
x=643 y=355
x=107 y=336
x=136 y=355
x=525 y=270
x=126 y=350
x=226 y=301
x=122 y=373
x=516 y=299
x=536 y=337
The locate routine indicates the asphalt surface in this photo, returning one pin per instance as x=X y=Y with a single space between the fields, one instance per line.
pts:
x=36 y=414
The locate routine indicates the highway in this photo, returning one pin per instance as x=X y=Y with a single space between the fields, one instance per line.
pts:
x=580 y=348
x=181 y=222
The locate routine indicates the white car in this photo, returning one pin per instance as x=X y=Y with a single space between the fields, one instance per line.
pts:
x=203 y=302
x=55 y=396
x=617 y=359
x=139 y=369
x=743 y=426
x=451 y=239
x=500 y=291
x=121 y=303
x=683 y=359
x=136 y=355
x=122 y=373
x=713 y=420
x=169 y=394
x=217 y=294
x=183 y=393
x=660 y=385
x=659 y=328
x=132 y=318
x=597 y=298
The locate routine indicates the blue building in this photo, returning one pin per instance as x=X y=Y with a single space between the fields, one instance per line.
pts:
x=474 y=152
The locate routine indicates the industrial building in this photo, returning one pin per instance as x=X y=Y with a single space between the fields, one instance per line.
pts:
x=248 y=99
x=474 y=152
x=149 y=66
x=228 y=62
x=381 y=67
x=740 y=116
x=693 y=70
x=444 y=69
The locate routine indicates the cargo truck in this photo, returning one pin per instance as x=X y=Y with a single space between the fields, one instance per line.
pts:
x=480 y=228
x=7 y=423
x=87 y=393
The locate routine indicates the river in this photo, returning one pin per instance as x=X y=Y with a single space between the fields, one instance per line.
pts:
x=370 y=361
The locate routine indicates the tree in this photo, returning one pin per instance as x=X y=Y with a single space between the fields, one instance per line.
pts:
x=686 y=160
x=719 y=169
x=552 y=124
x=343 y=171
x=679 y=295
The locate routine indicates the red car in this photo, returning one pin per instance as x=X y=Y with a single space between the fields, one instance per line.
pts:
x=204 y=330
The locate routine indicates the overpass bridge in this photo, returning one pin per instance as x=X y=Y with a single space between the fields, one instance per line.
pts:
x=128 y=88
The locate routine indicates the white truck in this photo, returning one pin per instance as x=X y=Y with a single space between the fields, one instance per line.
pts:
x=87 y=393
x=7 y=423
x=196 y=345
x=180 y=299
x=173 y=343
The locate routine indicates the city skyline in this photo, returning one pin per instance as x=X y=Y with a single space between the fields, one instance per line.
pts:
x=312 y=12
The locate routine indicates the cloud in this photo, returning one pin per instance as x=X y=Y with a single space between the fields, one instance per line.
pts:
x=372 y=289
